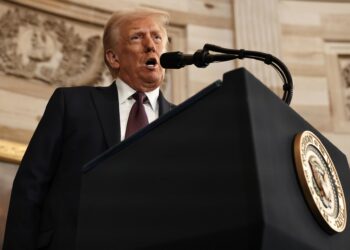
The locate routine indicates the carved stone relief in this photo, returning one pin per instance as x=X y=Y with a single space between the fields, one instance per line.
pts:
x=346 y=79
x=48 y=49
x=346 y=75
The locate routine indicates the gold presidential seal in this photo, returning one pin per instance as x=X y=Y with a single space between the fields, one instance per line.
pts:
x=320 y=182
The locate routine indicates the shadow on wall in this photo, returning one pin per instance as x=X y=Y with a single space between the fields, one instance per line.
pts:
x=7 y=174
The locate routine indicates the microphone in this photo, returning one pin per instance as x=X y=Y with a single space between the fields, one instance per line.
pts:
x=177 y=60
x=201 y=58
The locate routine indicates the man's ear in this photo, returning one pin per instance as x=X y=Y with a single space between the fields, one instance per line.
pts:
x=112 y=59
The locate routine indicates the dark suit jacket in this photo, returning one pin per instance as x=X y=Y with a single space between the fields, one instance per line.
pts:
x=78 y=124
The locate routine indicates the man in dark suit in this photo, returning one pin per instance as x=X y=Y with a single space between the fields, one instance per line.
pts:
x=80 y=123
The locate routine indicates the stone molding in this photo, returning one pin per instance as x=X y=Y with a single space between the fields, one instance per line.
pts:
x=338 y=75
x=257 y=28
x=11 y=151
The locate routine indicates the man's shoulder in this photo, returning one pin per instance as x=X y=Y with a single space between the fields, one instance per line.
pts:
x=80 y=90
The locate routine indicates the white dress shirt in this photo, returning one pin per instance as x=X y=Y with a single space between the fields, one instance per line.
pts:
x=126 y=101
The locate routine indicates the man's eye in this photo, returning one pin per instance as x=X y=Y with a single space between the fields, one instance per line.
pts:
x=135 y=37
x=158 y=37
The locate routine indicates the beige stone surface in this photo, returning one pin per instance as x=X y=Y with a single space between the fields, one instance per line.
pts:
x=20 y=111
x=341 y=141
x=201 y=77
x=7 y=174
x=310 y=90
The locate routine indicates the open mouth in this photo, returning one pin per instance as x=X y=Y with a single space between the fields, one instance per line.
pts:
x=151 y=63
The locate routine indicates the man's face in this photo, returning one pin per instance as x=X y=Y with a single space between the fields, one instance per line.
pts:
x=137 y=54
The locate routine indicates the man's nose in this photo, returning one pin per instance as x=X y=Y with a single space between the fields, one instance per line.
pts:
x=149 y=44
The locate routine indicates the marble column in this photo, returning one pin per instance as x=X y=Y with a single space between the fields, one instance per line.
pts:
x=256 y=27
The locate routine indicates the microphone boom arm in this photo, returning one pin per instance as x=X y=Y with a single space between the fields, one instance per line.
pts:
x=202 y=58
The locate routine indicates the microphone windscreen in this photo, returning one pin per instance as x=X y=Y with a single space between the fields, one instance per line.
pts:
x=171 y=60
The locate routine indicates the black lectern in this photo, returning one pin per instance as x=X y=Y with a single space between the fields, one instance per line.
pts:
x=217 y=172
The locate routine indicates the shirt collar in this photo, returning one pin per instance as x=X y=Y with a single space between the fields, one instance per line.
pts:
x=125 y=92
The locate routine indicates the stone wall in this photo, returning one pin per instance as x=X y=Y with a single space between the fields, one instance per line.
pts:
x=315 y=44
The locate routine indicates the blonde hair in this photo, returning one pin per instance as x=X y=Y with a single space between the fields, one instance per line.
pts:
x=119 y=18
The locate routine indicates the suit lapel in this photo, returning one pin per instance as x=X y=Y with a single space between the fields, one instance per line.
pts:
x=164 y=105
x=107 y=107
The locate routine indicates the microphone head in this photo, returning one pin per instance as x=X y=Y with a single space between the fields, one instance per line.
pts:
x=172 y=60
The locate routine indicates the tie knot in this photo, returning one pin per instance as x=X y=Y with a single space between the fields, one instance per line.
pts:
x=140 y=97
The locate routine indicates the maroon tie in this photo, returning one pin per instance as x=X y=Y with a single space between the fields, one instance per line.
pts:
x=137 y=117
